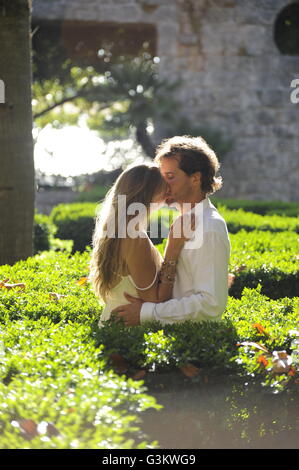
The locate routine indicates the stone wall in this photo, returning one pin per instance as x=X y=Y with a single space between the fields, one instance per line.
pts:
x=234 y=79
x=47 y=199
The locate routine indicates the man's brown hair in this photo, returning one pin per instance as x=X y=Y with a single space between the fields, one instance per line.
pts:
x=194 y=154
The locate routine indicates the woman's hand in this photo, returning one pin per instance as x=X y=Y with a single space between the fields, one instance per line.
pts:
x=180 y=231
x=183 y=227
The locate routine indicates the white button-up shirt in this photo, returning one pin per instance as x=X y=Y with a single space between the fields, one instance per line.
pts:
x=201 y=285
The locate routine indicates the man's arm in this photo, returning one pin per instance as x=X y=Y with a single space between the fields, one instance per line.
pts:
x=209 y=272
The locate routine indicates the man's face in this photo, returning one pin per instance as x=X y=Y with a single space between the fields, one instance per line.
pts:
x=180 y=187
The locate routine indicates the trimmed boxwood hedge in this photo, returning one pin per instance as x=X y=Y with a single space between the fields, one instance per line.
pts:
x=289 y=209
x=268 y=258
x=43 y=230
x=57 y=389
x=239 y=219
x=75 y=222
x=59 y=273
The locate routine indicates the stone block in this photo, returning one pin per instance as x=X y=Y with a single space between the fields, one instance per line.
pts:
x=188 y=39
x=274 y=98
x=125 y=14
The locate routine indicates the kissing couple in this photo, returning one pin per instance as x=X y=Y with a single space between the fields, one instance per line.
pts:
x=190 y=282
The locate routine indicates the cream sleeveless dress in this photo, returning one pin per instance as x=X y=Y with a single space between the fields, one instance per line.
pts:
x=116 y=295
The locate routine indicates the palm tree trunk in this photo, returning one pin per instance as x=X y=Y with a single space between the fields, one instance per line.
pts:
x=17 y=187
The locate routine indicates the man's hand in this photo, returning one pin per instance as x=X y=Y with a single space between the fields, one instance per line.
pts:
x=129 y=313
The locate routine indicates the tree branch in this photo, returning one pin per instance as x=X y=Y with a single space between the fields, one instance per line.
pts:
x=59 y=103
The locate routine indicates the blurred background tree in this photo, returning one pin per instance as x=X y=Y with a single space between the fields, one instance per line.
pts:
x=108 y=78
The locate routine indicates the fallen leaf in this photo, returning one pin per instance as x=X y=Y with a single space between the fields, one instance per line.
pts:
x=5 y=285
x=28 y=427
x=230 y=280
x=189 y=370
x=119 y=363
x=292 y=371
x=262 y=360
x=138 y=375
x=281 y=362
x=254 y=345
x=56 y=296
x=260 y=328
x=82 y=281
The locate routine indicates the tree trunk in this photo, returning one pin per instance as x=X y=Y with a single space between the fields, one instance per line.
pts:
x=17 y=187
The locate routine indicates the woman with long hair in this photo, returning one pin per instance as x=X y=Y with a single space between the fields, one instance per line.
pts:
x=123 y=257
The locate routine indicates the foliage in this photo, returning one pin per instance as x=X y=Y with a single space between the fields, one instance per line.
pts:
x=75 y=222
x=95 y=194
x=213 y=346
x=113 y=95
x=46 y=274
x=127 y=96
x=267 y=258
x=238 y=219
x=258 y=255
x=43 y=228
x=56 y=391
x=289 y=209
x=49 y=336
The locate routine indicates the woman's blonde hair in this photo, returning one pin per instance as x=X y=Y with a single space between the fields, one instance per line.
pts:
x=138 y=184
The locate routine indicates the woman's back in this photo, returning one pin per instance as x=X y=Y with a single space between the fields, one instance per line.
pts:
x=126 y=284
x=116 y=296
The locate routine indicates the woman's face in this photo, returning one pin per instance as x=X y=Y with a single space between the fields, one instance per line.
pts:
x=161 y=194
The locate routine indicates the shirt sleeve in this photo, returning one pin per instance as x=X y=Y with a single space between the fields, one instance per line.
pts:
x=209 y=278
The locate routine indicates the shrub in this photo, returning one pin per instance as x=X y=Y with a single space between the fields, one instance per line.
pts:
x=43 y=230
x=240 y=219
x=213 y=346
x=56 y=391
x=51 y=289
x=75 y=222
x=96 y=194
x=267 y=258
x=289 y=209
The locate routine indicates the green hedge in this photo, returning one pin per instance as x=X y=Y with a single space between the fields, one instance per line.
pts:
x=268 y=258
x=239 y=219
x=75 y=222
x=47 y=273
x=56 y=391
x=289 y=209
x=210 y=344
x=213 y=345
x=50 y=369
x=43 y=230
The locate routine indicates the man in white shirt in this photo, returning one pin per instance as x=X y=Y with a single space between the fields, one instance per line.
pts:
x=200 y=290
